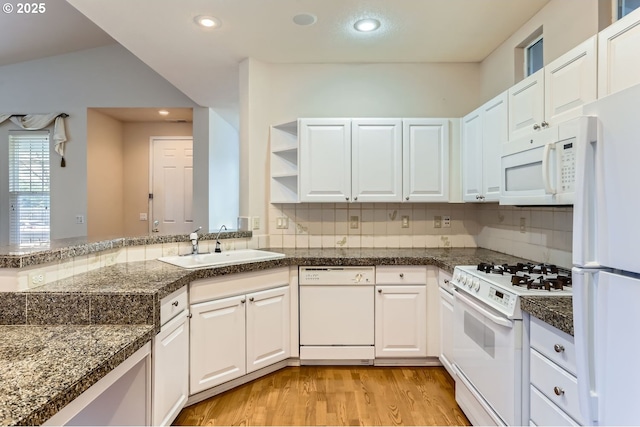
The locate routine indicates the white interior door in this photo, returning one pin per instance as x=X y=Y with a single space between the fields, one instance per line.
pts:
x=172 y=185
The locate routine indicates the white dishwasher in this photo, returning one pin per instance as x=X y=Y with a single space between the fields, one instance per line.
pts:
x=337 y=315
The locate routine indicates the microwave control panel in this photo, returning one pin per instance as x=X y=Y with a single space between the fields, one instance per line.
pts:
x=567 y=163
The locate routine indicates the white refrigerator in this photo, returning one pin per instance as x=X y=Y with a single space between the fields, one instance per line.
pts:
x=606 y=258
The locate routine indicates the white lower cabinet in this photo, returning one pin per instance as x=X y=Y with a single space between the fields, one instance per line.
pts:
x=217 y=342
x=233 y=336
x=170 y=359
x=401 y=312
x=553 y=383
x=446 y=321
x=268 y=327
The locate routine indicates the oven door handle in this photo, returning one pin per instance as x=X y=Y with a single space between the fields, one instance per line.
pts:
x=495 y=319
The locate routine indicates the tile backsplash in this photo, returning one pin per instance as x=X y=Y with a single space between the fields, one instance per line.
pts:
x=540 y=234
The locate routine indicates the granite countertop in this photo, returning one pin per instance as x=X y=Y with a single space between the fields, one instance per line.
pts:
x=45 y=337
x=556 y=311
x=17 y=256
x=43 y=368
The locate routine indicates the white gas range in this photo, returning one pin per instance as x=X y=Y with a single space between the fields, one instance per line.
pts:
x=488 y=336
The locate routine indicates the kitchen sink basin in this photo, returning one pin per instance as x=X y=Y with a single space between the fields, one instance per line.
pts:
x=220 y=259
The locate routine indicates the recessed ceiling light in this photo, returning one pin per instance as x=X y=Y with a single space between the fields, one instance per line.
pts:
x=207 y=21
x=163 y=112
x=305 y=19
x=368 y=24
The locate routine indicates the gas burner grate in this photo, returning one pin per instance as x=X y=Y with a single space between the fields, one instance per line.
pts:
x=541 y=282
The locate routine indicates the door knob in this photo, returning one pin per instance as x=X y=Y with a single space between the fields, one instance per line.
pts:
x=251 y=299
x=379 y=291
x=558 y=391
x=401 y=275
x=558 y=348
x=536 y=127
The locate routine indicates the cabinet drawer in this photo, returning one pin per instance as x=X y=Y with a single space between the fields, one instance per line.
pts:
x=549 y=379
x=545 y=413
x=401 y=275
x=556 y=345
x=173 y=304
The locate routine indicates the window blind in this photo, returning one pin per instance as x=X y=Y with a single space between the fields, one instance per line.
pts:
x=29 y=188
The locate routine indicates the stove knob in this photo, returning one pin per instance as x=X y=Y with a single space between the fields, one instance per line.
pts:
x=476 y=285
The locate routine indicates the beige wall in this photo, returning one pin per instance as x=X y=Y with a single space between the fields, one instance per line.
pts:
x=104 y=176
x=136 y=137
x=545 y=237
x=278 y=93
x=566 y=23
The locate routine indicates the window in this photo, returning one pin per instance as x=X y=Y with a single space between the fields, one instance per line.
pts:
x=533 y=56
x=627 y=6
x=29 y=179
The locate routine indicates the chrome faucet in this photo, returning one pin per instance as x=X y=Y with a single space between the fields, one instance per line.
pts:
x=194 y=241
x=218 y=250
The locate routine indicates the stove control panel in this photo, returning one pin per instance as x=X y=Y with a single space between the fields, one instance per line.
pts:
x=502 y=297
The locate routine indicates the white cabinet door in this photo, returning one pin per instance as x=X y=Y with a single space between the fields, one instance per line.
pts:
x=170 y=370
x=471 y=147
x=618 y=59
x=401 y=321
x=217 y=342
x=570 y=82
x=425 y=146
x=495 y=132
x=526 y=105
x=376 y=163
x=268 y=327
x=446 y=330
x=325 y=160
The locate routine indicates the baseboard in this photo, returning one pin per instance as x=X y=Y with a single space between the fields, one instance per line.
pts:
x=422 y=361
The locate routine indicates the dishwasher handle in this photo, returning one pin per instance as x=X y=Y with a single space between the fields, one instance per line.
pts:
x=499 y=320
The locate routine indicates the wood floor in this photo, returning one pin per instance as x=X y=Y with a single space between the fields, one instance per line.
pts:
x=313 y=396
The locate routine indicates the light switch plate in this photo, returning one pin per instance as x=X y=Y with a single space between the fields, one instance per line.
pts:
x=255 y=223
x=437 y=221
x=405 y=221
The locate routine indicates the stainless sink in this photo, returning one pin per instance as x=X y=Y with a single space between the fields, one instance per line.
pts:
x=220 y=259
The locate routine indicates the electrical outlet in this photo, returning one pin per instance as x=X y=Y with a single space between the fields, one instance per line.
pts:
x=405 y=221
x=523 y=224
x=79 y=219
x=282 y=222
x=143 y=216
x=446 y=221
x=437 y=221
x=37 y=278
x=354 y=222
x=255 y=223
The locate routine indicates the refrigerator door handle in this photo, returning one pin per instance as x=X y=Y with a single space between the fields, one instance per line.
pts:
x=583 y=328
x=584 y=205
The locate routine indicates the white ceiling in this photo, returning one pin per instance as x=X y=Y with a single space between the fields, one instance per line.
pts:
x=203 y=63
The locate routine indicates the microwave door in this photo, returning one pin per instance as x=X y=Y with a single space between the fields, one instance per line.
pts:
x=523 y=181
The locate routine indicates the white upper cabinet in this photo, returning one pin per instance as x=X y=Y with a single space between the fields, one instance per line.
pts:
x=618 y=58
x=555 y=93
x=325 y=160
x=526 y=105
x=425 y=151
x=376 y=164
x=374 y=160
x=284 y=163
x=570 y=82
x=483 y=133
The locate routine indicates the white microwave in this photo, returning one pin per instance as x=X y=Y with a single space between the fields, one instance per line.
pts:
x=540 y=169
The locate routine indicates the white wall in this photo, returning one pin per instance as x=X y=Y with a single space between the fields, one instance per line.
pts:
x=224 y=174
x=566 y=23
x=103 y=77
